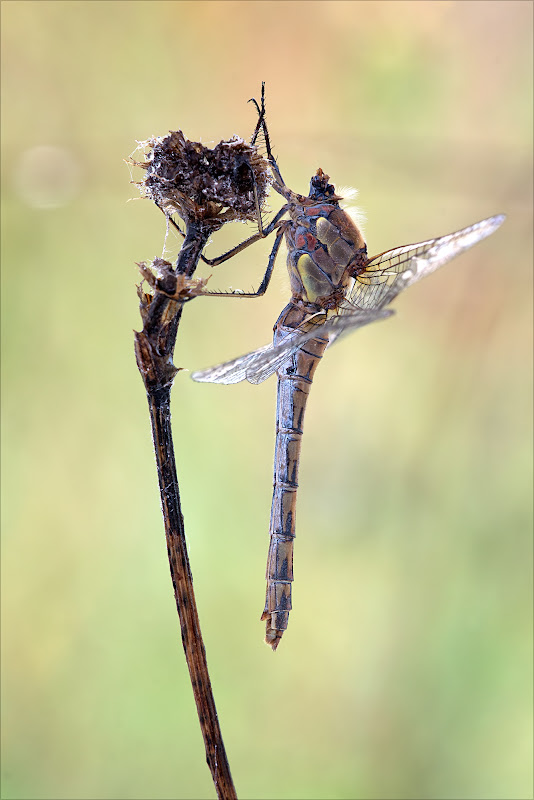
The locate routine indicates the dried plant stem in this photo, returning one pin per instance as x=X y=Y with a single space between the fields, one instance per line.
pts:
x=154 y=349
x=182 y=580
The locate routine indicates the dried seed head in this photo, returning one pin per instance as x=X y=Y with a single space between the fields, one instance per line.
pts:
x=199 y=183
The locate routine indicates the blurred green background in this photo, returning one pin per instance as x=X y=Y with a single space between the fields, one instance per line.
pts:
x=407 y=668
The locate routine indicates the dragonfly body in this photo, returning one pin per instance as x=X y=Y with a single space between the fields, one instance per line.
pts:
x=324 y=249
x=335 y=288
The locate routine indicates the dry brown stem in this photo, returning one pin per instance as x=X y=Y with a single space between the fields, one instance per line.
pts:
x=206 y=188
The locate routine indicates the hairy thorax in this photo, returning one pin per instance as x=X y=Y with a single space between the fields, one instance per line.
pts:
x=325 y=248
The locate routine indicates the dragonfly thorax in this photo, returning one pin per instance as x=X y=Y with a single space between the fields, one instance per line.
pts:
x=325 y=248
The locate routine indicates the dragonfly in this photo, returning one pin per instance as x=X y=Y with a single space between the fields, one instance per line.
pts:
x=336 y=288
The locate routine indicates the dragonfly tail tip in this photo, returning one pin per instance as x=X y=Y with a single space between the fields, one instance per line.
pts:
x=273 y=637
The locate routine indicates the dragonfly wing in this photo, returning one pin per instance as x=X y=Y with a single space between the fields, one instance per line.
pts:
x=348 y=320
x=331 y=329
x=381 y=280
x=387 y=274
x=257 y=366
x=272 y=360
x=232 y=371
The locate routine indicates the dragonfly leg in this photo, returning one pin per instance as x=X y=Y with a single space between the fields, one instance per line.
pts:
x=262 y=234
x=266 y=278
x=198 y=292
x=261 y=113
x=279 y=185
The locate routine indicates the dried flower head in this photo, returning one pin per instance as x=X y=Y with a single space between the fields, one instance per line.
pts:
x=215 y=185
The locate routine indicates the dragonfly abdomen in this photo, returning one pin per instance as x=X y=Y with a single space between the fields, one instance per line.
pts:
x=294 y=381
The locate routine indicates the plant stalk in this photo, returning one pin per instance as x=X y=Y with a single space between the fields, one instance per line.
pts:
x=154 y=350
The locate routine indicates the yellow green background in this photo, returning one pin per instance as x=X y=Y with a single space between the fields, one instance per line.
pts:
x=406 y=671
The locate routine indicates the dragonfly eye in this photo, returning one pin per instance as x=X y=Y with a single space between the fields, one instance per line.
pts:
x=320 y=189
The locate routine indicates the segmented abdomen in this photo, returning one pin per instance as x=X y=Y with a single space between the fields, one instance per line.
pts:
x=294 y=381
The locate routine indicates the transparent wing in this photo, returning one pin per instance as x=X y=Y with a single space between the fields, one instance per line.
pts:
x=260 y=364
x=387 y=274
x=383 y=277
x=235 y=370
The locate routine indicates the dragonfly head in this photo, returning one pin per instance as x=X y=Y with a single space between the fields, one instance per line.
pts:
x=320 y=189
